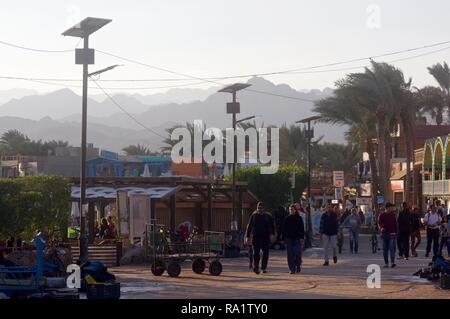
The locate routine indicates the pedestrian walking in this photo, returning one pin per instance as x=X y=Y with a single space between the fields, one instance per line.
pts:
x=432 y=221
x=387 y=223
x=415 y=232
x=404 y=221
x=261 y=228
x=353 y=222
x=445 y=235
x=328 y=231
x=293 y=232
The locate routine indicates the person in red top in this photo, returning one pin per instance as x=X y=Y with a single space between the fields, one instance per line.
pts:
x=387 y=223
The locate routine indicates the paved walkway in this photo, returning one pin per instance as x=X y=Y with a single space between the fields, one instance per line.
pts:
x=346 y=279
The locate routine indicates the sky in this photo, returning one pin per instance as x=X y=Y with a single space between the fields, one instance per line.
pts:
x=207 y=38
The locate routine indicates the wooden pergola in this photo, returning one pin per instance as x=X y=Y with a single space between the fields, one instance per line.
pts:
x=195 y=194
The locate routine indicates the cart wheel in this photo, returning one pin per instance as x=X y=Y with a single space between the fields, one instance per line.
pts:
x=215 y=268
x=158 y=268
x=198 y=265
x=174 y=269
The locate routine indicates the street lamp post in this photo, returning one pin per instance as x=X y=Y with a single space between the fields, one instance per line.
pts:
x=234 y=108
x=309 y=136
x=85 y=57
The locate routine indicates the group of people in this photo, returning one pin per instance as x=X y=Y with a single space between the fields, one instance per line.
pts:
x=106 y=230
x=404 y=231
x=397 y=230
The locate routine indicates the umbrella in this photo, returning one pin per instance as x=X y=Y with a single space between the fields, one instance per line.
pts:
x=146 y=172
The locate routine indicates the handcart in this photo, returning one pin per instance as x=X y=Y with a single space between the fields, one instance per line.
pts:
x=201 y=250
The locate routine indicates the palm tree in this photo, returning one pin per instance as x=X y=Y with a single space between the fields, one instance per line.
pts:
x=441 y=74
x=432 y=100
x=137 y=150
x=364 y=99
x=344 y=109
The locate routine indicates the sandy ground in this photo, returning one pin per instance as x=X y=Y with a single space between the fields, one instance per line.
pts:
x=346 y=279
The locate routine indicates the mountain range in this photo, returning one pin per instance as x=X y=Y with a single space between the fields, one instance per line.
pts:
x=56 y=115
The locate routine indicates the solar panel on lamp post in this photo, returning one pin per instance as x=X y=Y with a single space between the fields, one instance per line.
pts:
x=84 y=56
x=234 y=108
x=309 y=136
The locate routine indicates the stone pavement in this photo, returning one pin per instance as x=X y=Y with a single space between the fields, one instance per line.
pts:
x=346 y=279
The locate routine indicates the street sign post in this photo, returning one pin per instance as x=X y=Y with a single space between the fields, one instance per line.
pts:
x=338 y=179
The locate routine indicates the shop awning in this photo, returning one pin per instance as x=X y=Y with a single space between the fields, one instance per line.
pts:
x=398 y=175
x=158 y=192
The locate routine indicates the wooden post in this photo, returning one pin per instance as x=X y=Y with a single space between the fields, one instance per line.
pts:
x=239 y=209
x=172 y=207
x=91 y=222
x=118 y=252
x=152 y=209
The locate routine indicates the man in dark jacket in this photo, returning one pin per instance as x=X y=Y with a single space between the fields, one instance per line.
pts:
x=261 y=228
x=387 y=223
x=404 y=221
x=329 y=225
x=293 y=231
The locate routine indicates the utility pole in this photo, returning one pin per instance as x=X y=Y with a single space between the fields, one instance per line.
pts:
x=85 y=57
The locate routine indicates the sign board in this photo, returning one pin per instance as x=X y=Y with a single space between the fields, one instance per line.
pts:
x=397 y=185
x=84 y=56
x=380 y=199
x=364 y=201
x=366 y=189
x=109 y=155
x=139 y=215
x=338 y=178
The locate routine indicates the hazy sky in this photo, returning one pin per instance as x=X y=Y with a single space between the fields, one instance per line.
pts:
x=220 y=37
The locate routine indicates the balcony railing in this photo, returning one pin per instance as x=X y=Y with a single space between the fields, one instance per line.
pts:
x=436 y=187
x=427 y=187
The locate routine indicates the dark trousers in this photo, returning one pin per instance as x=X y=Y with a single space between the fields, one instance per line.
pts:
x=353 y=234
x=388 y=247
x=445 y=241
x=260 y=244
x=293 y=251
x=415 y=241
x=433 y=237
x=403 y=244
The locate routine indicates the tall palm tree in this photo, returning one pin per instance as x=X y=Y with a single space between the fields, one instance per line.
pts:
x=364 y=99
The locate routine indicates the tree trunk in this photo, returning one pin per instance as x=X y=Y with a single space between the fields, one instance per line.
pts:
x=381 y=150
x=387 y=160
x=409 y=141
x=373 y=168
x=439 y=118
